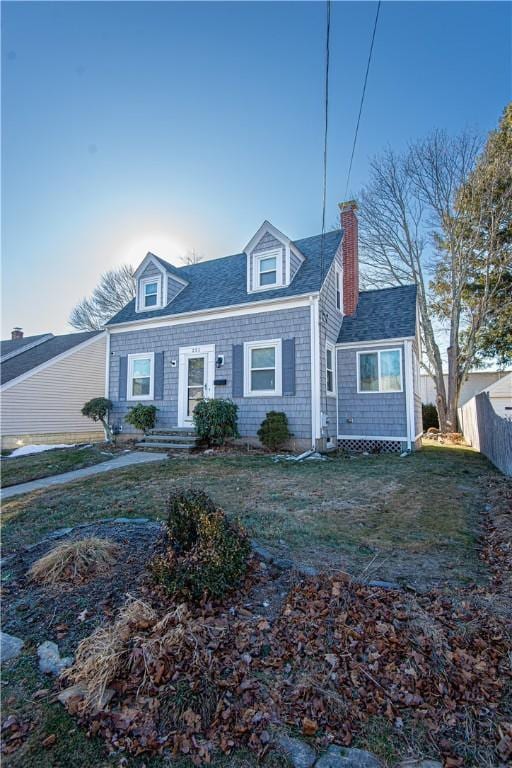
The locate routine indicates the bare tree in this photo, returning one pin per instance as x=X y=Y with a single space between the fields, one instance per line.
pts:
x=114 y=291
x=191 y=257
x=414 y=228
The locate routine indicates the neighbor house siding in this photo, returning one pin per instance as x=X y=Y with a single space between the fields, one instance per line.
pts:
x=372 y=414
x=224 y=333
x=329 y=333
x=50 y=401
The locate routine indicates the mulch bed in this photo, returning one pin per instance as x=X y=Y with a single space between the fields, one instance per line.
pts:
x=67 y=613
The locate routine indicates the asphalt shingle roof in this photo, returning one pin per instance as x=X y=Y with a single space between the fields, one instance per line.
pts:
x=385 y=313
x=42 y=353
x=223 y=283
x=9 y=346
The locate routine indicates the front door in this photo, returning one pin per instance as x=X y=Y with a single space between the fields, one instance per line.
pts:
x=196 y=375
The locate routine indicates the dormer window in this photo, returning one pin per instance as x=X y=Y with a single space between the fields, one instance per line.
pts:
x=150 y=294
x=266 y=268
x=272 y=259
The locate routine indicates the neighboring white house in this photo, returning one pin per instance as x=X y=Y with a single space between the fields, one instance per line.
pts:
x=45 y=380
x=477 y=381
x=500 y=396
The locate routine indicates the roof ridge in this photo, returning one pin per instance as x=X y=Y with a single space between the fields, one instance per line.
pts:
x=388 y=288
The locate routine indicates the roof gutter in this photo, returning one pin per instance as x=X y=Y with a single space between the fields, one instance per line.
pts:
x=205 y=314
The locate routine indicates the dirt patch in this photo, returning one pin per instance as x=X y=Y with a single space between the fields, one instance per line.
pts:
x=66 y=613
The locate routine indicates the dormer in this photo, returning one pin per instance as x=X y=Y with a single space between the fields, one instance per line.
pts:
x=157 y=284
x=272 y=259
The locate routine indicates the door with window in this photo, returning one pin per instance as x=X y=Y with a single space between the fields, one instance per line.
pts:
x=196 y=375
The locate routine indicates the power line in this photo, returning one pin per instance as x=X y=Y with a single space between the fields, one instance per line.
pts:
x=326 y=127
x=362 y=97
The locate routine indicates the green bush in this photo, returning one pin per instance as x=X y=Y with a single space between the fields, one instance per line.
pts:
x=216 y=421
x=142 y=416
x=208 y=555
x=430 y=417
x=274 y=431
x=98 y=409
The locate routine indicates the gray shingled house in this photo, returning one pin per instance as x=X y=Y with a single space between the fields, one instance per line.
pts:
x=281 y=326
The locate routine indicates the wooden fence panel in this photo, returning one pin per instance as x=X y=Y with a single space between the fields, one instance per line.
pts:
x=487 y=432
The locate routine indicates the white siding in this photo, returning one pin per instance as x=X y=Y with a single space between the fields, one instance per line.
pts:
x=477 y=381
x=50 y=401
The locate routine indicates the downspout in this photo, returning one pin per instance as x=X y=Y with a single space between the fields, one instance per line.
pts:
x=315 y=372
x=409 y=396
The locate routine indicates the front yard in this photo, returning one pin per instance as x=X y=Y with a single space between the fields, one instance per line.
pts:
x=415 y=520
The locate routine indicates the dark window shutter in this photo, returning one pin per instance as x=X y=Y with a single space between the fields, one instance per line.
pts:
x=123 y=373
x=159 y=376
x=288 y=366
x=238 y=370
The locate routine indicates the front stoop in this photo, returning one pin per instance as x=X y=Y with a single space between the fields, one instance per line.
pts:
x=173 y=439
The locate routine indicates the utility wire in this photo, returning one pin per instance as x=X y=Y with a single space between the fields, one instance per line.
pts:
x=326 y=127
x=362 y=97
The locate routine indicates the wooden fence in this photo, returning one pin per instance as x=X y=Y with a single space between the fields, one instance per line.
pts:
x=487 y=432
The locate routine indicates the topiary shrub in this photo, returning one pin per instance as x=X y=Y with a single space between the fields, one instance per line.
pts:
x=216 y=421
x=208 y=554
x=97 y=409
x=274 y=431
x=430 y=417
x=142 y=416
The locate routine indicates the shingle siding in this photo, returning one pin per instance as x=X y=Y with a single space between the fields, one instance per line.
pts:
x=224 y=333
x=173 y=288
x=372 y=414
x=329 y=333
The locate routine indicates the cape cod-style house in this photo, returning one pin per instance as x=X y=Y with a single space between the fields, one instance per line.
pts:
x=280 y=326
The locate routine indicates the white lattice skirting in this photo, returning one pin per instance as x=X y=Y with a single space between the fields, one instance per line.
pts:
x=353 y=445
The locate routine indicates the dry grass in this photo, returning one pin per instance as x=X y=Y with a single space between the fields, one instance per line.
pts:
x=74 y=560
x=100 y=657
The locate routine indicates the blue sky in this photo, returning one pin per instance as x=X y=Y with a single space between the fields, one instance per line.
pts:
x=132 y=126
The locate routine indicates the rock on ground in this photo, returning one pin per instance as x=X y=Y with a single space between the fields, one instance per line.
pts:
x=300 y=754
x=345 y=757
x=10 y=646
x=50 y=661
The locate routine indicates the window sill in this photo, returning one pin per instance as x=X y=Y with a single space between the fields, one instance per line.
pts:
x=263 y=393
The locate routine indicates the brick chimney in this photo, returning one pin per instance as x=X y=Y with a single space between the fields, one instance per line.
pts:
x=16 y=333
x=350 y=256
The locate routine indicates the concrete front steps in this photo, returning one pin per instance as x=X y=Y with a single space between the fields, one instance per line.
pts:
x=172 y=439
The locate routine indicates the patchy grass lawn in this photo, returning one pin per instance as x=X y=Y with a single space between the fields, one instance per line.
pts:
x=22 y=469
x=414 y=519
x=411 y=519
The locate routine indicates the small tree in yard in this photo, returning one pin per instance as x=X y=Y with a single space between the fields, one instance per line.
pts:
x=97 y=409
x=274 y=431
x=216 y=421
x=142 y=417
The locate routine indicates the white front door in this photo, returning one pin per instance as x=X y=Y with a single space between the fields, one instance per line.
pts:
x=196 y=376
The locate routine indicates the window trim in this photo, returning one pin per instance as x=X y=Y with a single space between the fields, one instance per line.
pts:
x=338 y=289
x=248 y=347
x=330 y=348
x=276 y=253
x=143 y=281
x=378 y=391
x=129 y=382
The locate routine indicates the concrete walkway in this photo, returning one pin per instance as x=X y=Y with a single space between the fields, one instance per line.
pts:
x=126 y=460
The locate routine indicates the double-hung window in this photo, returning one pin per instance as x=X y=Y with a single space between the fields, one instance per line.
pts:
x=267 y=268
x=329 y=369
x=262 y=368
x=150 y=293
x=380 y=371
x=140 y=376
